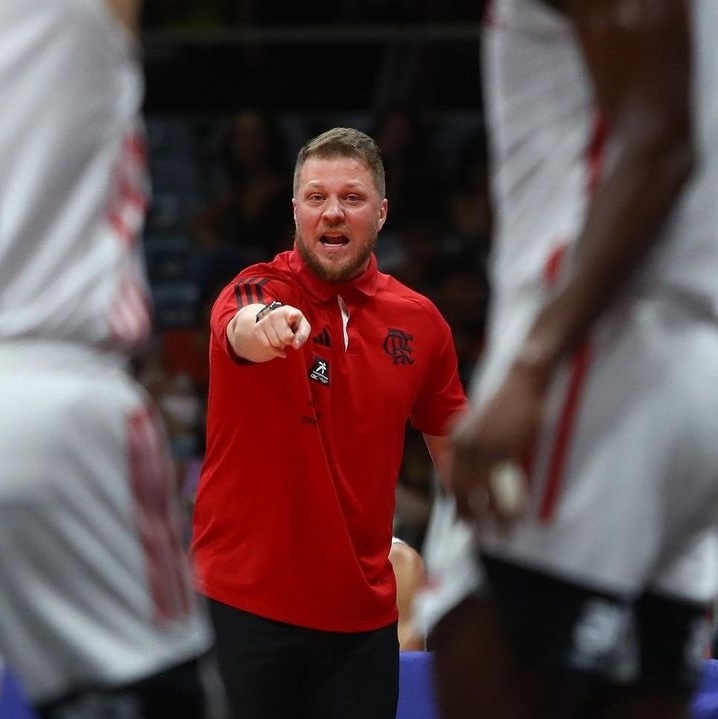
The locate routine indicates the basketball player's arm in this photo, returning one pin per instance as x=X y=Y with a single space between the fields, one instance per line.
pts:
x=127 y=12
x=637 y=55
x=263 y=339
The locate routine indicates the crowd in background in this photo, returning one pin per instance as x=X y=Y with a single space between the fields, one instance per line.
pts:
x=222 y=188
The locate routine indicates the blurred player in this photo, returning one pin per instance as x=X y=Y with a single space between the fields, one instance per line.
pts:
x=600 y=378
x=97 y=613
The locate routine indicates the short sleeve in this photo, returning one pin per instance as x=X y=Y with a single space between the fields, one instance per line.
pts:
x=442 y=396
x=243 y=290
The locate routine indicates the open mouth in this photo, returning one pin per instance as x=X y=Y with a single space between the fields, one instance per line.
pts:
x=334 y=240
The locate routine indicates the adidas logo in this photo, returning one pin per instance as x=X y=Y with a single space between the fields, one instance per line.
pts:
x=323 y=338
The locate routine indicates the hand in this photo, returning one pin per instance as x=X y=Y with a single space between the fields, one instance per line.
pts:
x=282 y=328
x=501 y=430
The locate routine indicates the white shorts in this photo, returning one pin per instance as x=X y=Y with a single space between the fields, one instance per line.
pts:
x=449 y=554
x=624 y=480
x=96 y=590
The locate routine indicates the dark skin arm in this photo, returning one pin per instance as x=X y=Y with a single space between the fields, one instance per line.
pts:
x=127 y=12
x=637 y=54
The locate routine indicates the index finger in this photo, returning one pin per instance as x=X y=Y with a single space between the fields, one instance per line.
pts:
x=301 y=333
x=299 y=326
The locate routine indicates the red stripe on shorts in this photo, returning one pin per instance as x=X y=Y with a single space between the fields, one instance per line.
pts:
x=581 y=359
x=579 y=368
x=152 y=485
x=553 y=264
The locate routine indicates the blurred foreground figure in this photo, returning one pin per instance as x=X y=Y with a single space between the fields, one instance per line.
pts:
x=600 y=378
x=97 y=612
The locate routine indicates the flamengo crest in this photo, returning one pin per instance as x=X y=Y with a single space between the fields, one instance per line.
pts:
x=397 y=344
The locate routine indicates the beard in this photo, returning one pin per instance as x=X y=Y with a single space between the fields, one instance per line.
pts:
x=342 y=270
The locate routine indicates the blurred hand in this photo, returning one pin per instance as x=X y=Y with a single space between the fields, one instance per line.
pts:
x=502 y=430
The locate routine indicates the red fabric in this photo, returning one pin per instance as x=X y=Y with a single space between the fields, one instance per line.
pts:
x=293 y=518
x=597 y=152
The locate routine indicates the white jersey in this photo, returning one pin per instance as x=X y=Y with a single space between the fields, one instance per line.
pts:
x=546 y=151
x=75 y=170
x=95 y=589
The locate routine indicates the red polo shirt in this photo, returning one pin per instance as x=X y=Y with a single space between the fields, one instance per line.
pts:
x=293 y=517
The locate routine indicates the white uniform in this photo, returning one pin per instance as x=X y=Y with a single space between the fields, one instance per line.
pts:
x=624 y=480
x=95 y=590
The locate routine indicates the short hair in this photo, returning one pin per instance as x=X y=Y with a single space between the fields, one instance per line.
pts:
x=344 y=142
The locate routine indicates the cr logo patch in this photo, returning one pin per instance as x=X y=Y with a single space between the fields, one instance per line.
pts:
x=319 y=371
x=397 y=344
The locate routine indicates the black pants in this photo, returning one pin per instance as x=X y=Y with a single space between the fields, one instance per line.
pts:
x=273 y=670
x=182 y=692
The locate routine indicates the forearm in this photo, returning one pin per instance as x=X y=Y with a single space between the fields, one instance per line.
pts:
x=262 y=337
x=243 y=337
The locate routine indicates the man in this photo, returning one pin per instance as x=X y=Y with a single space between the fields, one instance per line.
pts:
x=98 y=617
x=600 y=380
x=317 y=361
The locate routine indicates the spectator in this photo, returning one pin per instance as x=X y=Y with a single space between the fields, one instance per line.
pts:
x=405 y=139
x=469 y=208
x=246 y=220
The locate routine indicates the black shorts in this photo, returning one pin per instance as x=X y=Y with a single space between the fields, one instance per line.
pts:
x=273 y=670
x=182 y=692
x=654 y=641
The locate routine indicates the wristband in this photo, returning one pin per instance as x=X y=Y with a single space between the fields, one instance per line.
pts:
x=267 y=309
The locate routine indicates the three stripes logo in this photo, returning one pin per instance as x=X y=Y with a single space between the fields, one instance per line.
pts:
x=323 y=338
x=249 y=292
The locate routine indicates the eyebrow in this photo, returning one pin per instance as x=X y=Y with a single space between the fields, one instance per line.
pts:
x=350 y=183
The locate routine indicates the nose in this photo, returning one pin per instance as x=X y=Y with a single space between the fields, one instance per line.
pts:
x=333 y=209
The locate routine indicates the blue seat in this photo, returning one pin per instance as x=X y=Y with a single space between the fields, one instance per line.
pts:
x=13 y=702
x=705 y=701
x=417 y=698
